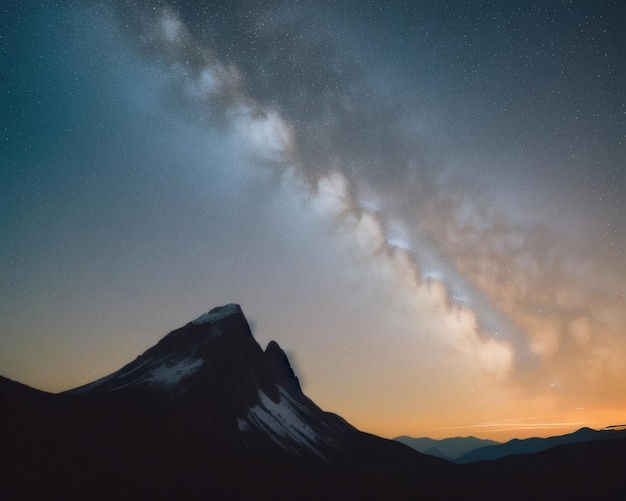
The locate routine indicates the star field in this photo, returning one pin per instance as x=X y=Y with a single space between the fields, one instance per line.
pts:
x=421 y=201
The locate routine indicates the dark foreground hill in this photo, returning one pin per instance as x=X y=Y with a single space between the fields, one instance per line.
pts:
x=207 y=414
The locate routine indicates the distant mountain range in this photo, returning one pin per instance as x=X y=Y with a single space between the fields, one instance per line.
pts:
x=463 y=450
x=207 y=414
x=447 y=448
x=530 y=445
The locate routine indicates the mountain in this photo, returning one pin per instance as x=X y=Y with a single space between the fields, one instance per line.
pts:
x=206 y=413
x=531 y=445
x=447 y=448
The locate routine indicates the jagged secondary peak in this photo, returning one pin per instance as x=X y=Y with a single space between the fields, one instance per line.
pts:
x=281 y=368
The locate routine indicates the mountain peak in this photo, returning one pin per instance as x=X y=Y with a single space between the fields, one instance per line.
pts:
x=219 y=338
x=218 y=313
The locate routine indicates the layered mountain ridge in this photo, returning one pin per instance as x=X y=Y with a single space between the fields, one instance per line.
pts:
x=464 y=450
x=207 y=413
x=447 y=448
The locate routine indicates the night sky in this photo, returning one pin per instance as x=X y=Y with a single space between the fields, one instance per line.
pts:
x=422 y=202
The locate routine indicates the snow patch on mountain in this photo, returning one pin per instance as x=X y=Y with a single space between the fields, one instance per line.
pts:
x=170 y=374
x=282 y=421
x=160 y=370
x=217 y=314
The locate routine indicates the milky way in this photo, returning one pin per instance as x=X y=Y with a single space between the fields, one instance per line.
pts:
x=422 y=203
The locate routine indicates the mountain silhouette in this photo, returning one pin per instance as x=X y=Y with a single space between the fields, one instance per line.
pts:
x=206 y=413
x=447 y=448
x=535 y=444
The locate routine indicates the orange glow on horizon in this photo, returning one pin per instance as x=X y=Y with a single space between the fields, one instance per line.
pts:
x=501 y=430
